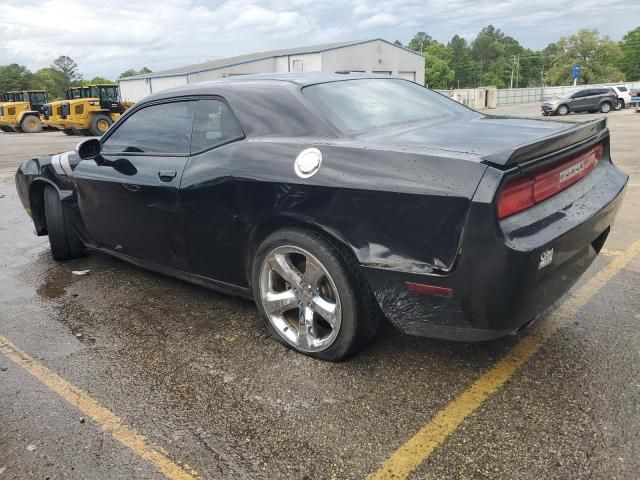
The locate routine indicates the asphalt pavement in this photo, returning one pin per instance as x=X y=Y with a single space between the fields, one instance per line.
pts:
x=122 y=374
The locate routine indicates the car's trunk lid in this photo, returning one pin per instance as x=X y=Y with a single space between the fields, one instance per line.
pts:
x=500 y=141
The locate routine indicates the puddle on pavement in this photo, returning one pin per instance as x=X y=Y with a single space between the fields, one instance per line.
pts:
x=55 y=283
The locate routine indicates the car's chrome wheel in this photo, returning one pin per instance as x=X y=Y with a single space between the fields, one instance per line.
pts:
x=300 y=298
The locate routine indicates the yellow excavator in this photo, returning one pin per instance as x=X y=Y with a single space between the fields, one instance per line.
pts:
x=22 y=110
x=86 y=111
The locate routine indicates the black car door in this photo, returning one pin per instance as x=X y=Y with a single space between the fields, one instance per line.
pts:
x=212 y=203
x=130 y=199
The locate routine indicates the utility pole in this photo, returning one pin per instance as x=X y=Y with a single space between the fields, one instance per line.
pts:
x=513 y=66
x=517 y=70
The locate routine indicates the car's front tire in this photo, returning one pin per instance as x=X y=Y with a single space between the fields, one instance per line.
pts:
x=605 y=107
x=620 y=104
x=562 y=110
x=63 y=239
x=312 y=295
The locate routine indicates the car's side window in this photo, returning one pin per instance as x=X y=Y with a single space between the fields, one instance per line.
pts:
x=214 y=124
x=157 y=129
x=579 y=94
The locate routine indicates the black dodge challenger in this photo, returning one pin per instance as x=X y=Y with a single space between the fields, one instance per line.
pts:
x=331 y=199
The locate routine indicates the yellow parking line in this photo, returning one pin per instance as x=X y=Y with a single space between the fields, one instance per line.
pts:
x=410 y=455
x=107 y=420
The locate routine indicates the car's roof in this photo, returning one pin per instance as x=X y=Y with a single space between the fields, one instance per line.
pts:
x=251 y=81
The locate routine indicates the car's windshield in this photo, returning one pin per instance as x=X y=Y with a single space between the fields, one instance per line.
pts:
x=622 y=89
x=354 y=106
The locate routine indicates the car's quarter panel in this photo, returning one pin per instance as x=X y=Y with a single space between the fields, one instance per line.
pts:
x=500 y=283
x=128 y=209
x=403 y=211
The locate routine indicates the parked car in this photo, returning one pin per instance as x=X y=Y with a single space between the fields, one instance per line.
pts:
x=586 y=100
x=328 y=198
x=624 y=96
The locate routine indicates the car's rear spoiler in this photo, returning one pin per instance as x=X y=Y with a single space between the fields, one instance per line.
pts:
x=546 y=145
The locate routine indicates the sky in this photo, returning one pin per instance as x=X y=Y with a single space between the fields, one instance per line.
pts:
x=108 y=37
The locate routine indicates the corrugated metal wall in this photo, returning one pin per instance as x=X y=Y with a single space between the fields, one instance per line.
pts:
x=374 y=57
x=163 y=83
x=282 y=64
x=134 y=90
x=261 y=66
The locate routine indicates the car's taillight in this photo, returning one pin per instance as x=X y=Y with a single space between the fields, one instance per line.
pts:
x=524 y=192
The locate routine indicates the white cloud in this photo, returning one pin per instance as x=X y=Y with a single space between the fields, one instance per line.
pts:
x=379 y=20
x=106 y=38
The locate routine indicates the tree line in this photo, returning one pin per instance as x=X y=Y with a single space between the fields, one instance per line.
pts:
x=55 y=79
x=493 y=58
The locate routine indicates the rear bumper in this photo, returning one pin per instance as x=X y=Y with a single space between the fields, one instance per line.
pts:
x=498 y=285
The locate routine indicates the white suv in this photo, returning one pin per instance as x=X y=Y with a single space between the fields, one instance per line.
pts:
x=624 y=97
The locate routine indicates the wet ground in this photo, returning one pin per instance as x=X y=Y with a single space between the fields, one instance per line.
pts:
x=196 y=373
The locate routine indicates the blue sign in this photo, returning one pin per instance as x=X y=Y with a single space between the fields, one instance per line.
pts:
x=575 y=71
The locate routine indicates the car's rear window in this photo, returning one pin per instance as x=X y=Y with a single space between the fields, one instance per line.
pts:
x=622 y=89
x=355 y=106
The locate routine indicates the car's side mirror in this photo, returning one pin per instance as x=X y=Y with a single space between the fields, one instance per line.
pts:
x=89 y=150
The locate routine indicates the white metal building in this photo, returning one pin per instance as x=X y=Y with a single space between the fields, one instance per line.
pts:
x=371 y=56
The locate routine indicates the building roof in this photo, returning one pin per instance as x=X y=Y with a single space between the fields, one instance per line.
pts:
x=252 y=57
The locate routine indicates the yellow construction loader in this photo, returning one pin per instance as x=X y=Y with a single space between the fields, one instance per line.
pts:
x=86 y=115
x=51 y=112
x=22 y=111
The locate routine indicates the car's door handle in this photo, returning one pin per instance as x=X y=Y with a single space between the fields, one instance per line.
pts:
x=167 y=175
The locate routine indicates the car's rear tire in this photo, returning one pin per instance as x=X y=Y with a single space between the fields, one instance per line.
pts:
x=99 y=125
x=605 y=107
x=562 y=110
x=299 y=277
x=65 y=242
x=31 y=124
x=620 y=104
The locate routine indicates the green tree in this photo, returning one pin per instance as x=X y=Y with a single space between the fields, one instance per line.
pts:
x=97 y=81
x=461 y=61
x=498 y=54
x=14 y=77
x=630 y=62
x=597 y=56
x=68 y=68
x=490 y=79
x=132 y=72
x=437 y=71
x=420 y=41
x=50 y=80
